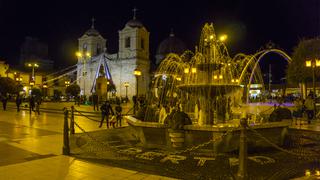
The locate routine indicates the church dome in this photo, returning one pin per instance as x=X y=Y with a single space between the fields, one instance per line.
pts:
x=92 y=32
x=171 y=44
x=134 y=23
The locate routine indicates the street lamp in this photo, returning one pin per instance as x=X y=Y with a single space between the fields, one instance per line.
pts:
x=126 y=85
x=33 y=65
x=84 y=56
x=67 y=83
x=313 y=63
x=223 y=37
x=137 y=73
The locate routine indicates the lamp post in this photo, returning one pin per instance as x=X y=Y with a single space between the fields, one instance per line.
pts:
x=313 y=63
x=137 y=73
x=33 y=65
x=126 y=85
x=84 y=56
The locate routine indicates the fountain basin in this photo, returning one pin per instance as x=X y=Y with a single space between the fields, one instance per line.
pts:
x=155 y=135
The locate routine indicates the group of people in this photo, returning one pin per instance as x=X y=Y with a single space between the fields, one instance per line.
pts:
x=306 y=106
x=34 y=104
x=106 y=111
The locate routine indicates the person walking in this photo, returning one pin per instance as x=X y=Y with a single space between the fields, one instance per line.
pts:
x=106 y=109
x=4 y=100
x=18 y=102
x=118 y=109
x=37 y=106
x=95 y=102
x=31 y=103
x=309 y=104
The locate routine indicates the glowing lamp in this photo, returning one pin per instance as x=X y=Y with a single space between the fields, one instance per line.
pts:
x=211 y=36
x=237 y=80
x=88 y=54
x=137 y=72
x=317 y=62
x=215 y=77
x=44 y=86
x=178 y=78
x=31 y=83
x=308 y=63
x=223 y=37
x=78 y=54
x=194 y=70
x=317 y=173
x=29 y=65
x=220 y=77
x=307 y=173
x=232 y=80
x=186 y=70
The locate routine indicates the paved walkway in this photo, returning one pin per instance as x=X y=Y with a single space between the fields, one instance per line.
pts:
x=31 y=146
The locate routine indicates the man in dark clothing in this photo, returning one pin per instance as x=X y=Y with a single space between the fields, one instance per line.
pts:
x=31 y=103
x=18 y=102
x=106 y=109
x=4 y=100
x=118 y=114
x=95 y=102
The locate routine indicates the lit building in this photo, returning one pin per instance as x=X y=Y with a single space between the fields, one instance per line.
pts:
x=133 y=53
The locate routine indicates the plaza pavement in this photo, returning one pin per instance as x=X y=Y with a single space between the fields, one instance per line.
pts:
x=31 y=148
x=31 y=145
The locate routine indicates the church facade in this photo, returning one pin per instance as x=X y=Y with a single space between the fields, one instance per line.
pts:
x=118 y=68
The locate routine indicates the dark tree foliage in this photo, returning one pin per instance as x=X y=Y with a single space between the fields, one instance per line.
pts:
x=8 y=85
x=73 y=90
x=36 y=92
x=308 y=49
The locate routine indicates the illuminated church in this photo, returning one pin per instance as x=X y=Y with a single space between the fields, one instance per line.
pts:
x=117 y=68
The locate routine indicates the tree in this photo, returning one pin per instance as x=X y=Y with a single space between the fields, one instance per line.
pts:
x=297 y=72
x=8 y=85
x=73 y=90
x=36 y=92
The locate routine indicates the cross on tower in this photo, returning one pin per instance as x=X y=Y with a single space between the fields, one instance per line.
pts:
x=92 y=22
x=134 y=12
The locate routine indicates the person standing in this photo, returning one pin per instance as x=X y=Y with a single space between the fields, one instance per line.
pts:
x=106 y=109
x=95 y=102
x=309 y=104
x=18 y=102
x=118 y=109
x=4 y=100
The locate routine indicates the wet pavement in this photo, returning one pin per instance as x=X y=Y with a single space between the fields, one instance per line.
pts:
x=31 y=142
x=31 y=147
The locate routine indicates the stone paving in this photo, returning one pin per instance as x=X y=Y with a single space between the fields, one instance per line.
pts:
x=31 y=146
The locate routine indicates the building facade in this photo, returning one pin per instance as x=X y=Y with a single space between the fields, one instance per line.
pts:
x=133 y=53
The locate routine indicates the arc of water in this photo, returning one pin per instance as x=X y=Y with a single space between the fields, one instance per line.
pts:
x=258 y=56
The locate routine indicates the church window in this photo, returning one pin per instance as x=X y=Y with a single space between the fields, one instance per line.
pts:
x=98 y=49
x=85 y=47
x=127 y=42
x=142 y=43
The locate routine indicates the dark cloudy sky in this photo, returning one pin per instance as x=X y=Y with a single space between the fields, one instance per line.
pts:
x=249 y=23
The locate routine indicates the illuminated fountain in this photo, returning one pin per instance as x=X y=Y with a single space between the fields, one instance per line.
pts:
x=212 y=88
x=208 y=83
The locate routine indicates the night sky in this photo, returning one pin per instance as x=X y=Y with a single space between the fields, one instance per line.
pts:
x=249 y=24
